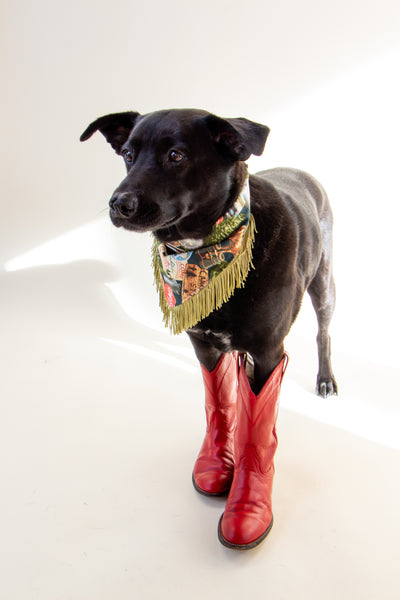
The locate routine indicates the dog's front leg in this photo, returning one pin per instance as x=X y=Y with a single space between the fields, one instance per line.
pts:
x=207 y=354
x=260 y=363
x=213 y=470
x=248 y=515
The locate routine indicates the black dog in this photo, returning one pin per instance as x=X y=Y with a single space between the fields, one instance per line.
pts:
x=185 y=169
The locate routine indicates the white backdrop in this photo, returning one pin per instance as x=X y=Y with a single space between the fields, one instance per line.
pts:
x=324 y=78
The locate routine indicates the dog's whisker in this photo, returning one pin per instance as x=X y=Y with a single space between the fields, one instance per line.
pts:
x=101 y=212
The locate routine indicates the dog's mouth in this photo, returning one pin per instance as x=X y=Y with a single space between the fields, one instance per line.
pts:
x=147 y=220
x=168 y=223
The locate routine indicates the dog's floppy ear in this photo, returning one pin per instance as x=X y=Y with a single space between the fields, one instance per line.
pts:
x=115 y=128
x=237 y=138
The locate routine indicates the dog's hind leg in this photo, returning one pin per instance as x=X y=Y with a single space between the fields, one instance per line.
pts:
x=323 y=296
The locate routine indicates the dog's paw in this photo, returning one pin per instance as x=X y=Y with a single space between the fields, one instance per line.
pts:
x=326 y=386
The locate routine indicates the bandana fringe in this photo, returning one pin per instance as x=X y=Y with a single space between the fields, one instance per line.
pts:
x=214 y=294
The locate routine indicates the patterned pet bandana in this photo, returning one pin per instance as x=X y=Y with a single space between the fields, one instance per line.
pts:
x=195 y=277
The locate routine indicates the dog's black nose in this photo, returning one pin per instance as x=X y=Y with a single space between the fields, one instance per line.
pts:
x=123 y=205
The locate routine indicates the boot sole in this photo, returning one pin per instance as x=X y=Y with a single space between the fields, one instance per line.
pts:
x=204 y=493
x=225 y=542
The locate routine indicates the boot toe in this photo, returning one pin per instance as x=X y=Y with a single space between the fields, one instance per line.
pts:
x=242 y=531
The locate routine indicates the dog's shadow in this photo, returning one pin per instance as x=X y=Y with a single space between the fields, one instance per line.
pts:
x=70 y=298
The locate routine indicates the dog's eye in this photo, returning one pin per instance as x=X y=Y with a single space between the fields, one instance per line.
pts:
x=128 y=156
x=175 y=156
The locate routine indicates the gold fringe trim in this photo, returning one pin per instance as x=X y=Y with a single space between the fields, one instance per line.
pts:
x=214 y=294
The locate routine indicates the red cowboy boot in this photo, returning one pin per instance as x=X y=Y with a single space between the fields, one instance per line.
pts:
x=213 y=470
x=248 y=515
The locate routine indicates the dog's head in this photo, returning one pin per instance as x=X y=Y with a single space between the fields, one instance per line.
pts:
x=181 y=167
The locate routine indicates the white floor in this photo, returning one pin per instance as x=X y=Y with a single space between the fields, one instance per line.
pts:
x=101 y=421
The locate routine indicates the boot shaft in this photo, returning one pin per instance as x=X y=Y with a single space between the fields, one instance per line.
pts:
x=220 y=386
x=257 y=414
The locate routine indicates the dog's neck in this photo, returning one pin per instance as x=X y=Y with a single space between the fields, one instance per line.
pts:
x=240 y=185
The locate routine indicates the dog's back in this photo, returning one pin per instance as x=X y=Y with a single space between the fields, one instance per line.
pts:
x=308 y=206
